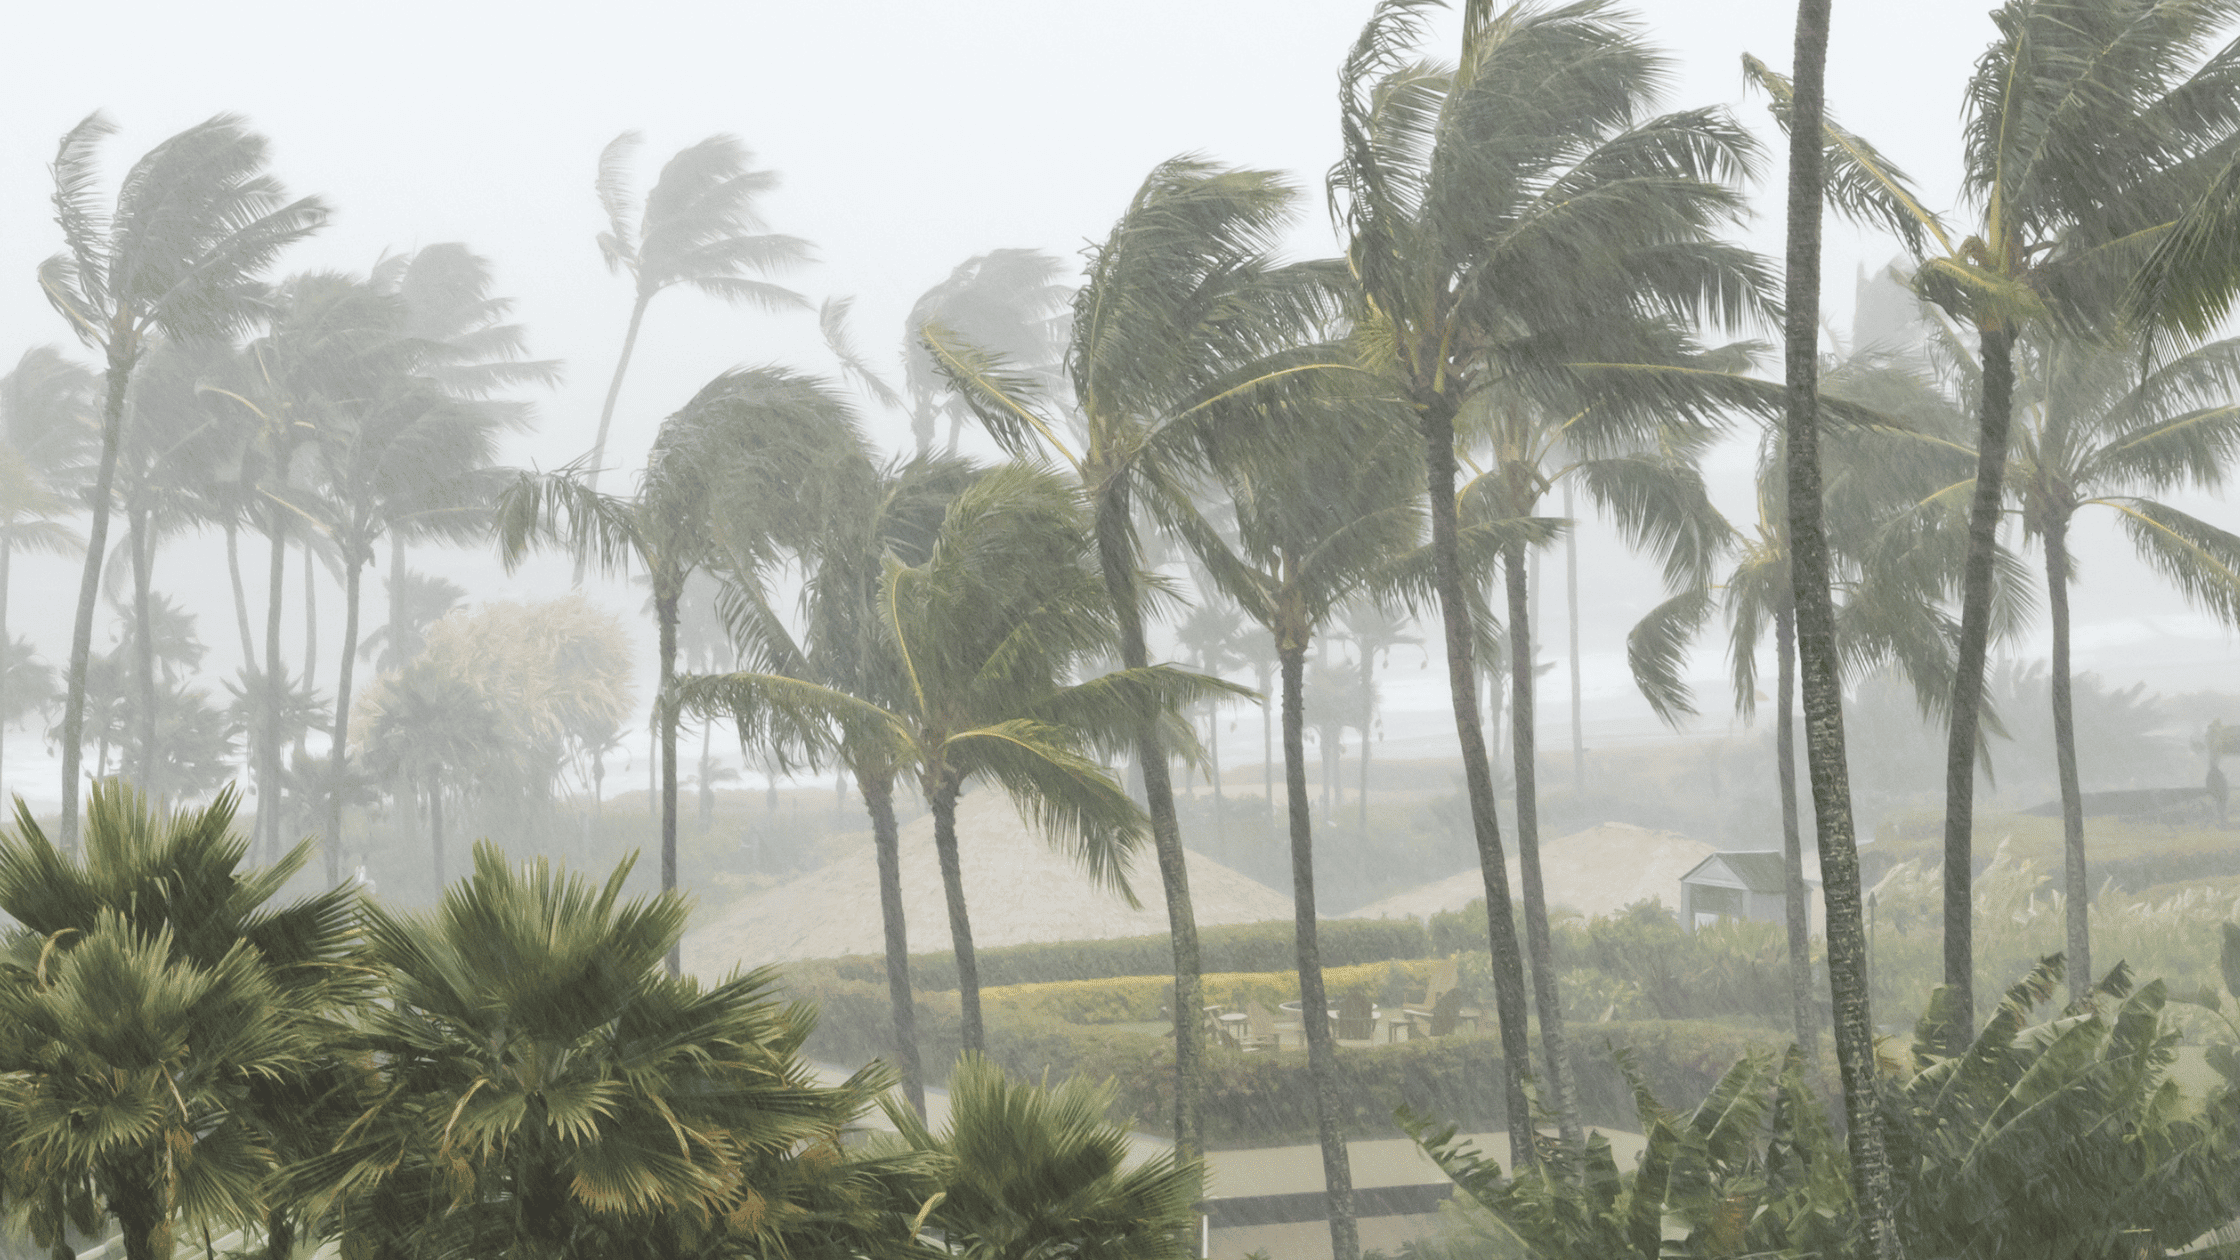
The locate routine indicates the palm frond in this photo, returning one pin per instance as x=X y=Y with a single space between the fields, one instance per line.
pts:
x=1657 y=650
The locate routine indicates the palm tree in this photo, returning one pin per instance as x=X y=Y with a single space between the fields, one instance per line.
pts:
x=1028 y=1171
x=733 y=474
x=1814 y=614
x=698 y=227
x=234 y=999
x=427 y=730
x=1184 y=325
x=196 y=220
x=1471 y=196
x=1372 y=628
x=414 y=460
x=1006 y=302
x=46 y=428
x=877 y=514
x=1209 y=634
x=2091 y=128
x=1312 y=533
x=541 y=1083
x=986 y=632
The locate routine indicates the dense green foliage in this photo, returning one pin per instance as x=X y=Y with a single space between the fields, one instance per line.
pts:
x=1232 y=947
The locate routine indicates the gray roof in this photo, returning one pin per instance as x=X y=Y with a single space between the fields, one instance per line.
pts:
x=1760 y=872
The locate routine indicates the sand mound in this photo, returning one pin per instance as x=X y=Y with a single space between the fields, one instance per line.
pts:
x=1598 y=871
x=1018 y=888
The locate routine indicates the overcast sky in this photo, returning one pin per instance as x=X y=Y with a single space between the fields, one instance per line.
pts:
x=909 y=136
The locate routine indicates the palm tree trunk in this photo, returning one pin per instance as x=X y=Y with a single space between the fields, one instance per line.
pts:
x=268 y=779
x=1571 y=626
x=396 y=596
x=1437 y=423
x=1314 y=1003
x=886 y=839
x=240 y=595
x=1562 y=1087
x=665 y=612
x=1816 y=643
x=89 y=589
x=1368 y=721
x=614 y=392
x=310 y=619
x=941 y=797
x=1967 y=684
x=1117 y=562
x=144 y=649
x=1267 y=744
x=338 y=757
x=1213 y=766
x=1796 y=902
x=435 y=828
x=707 y=793
x=2078 y=892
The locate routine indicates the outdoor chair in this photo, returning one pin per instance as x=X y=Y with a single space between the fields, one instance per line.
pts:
x=1260 y=1028
x=1357 y=1019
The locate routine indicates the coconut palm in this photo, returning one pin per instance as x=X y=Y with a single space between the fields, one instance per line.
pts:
x=735 y=473
x=1032 y=1170
x=1374 y=629
x=986 y=632
x=174 y=962
x=413 y=461
x=697 y=227
x=1209 y=635
x=1184 y=325
x=1521 y=229
x=47 y=427
x=1313 y=533
x=1810 y=578
x=2090 y=129
x=196 y=221
x=543 y=1088
x=1006 y=302
x=428 y=730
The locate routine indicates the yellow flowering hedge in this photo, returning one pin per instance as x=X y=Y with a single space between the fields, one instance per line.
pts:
x=1143 y=999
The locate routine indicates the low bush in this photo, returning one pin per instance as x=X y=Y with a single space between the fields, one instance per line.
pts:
x=1144 y=999
x=1265 y=946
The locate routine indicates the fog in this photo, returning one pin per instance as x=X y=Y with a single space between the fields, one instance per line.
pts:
x=908 y=137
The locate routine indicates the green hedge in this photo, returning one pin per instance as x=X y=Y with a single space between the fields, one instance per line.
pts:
x=1262 y=1100
x=1265 y=946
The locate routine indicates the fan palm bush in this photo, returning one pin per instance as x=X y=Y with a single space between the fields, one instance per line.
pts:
x=1028 y=1171
x=543 y=1088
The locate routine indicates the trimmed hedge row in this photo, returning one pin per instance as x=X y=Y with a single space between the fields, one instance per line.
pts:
x=1143 y=999
x=1265 y=946
x=1267 y=1099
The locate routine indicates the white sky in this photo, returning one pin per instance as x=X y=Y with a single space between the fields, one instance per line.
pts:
x=910 y=136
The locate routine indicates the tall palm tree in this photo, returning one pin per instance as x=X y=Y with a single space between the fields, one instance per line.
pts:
x=1185 y=322
x=878 y=514
x=414 y=460
x=195 y=222
x=2091 y=128
x=734 y=472
x=1374 y=629
x=1814 y=612
x=47 y=426
x=697 y=227
x=1210 y=634
x=1035 y=1170
x=541 y=1083
x=427 y=731
x=1313 y=532
x=1519 y=226
x=987 y=631
x=1007 y=302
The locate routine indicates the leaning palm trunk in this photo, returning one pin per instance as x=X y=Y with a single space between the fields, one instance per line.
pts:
x=1314 y=1003
x=1796 y=905
x=268 y=776
x=1437 y=424
x=1993 y=421
x=89 y=591
x=338 y=758
x=886 y=840
x=240 y=594
x=606 y=409
x=665 y=612
x=144 y=650
x=1116 y=561
x=2077 y=892
x=1571 y=627
x=1816 y=645
x=1522 y=713
x=941 y=797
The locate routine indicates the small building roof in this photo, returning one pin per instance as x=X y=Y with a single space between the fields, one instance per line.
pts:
x=1760 y=872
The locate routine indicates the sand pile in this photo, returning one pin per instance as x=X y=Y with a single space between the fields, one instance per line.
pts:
x=1599 y=871
x=1018 y=888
